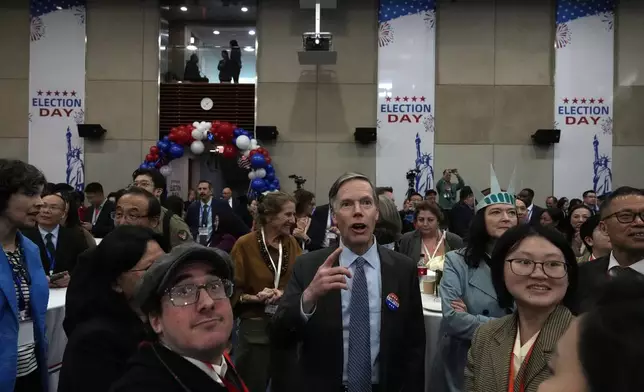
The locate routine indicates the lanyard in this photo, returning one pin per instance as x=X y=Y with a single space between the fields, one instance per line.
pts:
x=52 y=262
x=204 y=212
x=278 y=268
x=438 y=245
x=18 y=277
x=511 y=375
x=97 y=212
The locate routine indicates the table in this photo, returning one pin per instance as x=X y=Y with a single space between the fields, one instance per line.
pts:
x=433 y=316
x=55 y=335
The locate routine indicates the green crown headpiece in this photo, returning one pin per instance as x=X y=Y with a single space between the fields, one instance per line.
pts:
x=496 y=195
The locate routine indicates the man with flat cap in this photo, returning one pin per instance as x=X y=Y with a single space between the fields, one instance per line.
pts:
x=185 y=296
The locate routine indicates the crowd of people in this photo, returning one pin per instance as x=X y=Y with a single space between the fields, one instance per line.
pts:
x=280 y=294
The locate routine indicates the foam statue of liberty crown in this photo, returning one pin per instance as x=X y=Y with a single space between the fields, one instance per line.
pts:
x=496 y=195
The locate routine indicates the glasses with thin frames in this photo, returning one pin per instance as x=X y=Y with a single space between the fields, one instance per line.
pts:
x=525 y=267
x=188 y=294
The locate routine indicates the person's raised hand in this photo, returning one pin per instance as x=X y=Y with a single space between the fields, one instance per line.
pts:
x=327 y=278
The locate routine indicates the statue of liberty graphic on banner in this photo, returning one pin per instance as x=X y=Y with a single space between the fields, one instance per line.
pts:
x=75 y=165
x=424 y=170
x=602 y=174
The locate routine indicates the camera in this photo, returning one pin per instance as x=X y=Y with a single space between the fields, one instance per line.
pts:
x=411 y=181
x=299 y=180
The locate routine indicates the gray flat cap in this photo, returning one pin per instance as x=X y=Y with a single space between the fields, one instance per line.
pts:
x=158 y=276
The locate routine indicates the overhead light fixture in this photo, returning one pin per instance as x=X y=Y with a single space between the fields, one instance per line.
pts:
x=192 y=44
x=162 y=47
x=216 y=32
x=251 y=32
x=217 y=46
x=244 y=9
x=59 y=7
x=249 y=49
x=184 y=8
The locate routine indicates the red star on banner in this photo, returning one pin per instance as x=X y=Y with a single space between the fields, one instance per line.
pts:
x=39 y=93
x=592 y=100
x=397 y=99
x=575 y=100
x=57 y=93
x=48 y=93
x=413 y=99
x=422 y=99
x=388 y=99
x=583 y=100
x=406 y=99
x=65 y=93
x=73 y=93
x=600 y=100
x=566 y=100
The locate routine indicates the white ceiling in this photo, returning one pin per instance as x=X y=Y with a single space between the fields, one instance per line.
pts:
x=210 y=40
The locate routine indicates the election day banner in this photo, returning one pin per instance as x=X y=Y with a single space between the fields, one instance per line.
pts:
x=406 y=84
x=584 y=74
x=57 y=89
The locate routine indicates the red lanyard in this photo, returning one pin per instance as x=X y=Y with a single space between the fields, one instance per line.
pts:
x=511 y=373
x=230 y=386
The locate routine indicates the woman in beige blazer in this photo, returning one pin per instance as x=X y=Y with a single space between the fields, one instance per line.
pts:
x=535 y=267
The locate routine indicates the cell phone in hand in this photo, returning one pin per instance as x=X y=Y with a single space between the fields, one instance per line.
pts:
x=57 y=276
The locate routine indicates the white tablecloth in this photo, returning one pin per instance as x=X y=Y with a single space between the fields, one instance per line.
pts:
x=433 y=316
x=55 y=335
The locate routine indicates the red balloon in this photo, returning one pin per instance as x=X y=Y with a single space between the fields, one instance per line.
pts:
x=268 y=160
x=151 y=157
x=253 y=152
x=230 y=151
x=172 y=136
x=154 y=150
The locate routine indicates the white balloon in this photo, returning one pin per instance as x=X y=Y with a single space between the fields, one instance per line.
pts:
x=207 y=125
x=243 y=142
x=246 y=153
x=197 y=147
x=253 y=144
x=260 y=173
x=252 y=175
x=195 y=124
x=197 y=134
x=165 y=170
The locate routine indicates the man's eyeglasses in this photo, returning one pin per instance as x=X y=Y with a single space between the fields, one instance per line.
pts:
x=525 y=267
x=129 y=217
x=626 y=216
x=188 y=294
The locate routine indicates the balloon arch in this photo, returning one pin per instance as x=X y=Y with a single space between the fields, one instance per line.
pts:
x=238 y=144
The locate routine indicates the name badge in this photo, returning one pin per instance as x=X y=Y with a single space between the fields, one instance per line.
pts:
x=203 y=231
x=331 y=235
x=270 y=309
x=26 y=333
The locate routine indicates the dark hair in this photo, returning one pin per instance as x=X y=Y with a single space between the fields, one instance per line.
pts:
x=587 y=228
x=116 y=194
x=427 y=206
x=553 y=198
x=571 y=210
x=529 y=191
x=611 y=337
x=430 y=192
x=478 y=240
x=49 y=187
x=561 y=203
x=158 y=180
x=94 y=187
x=174 y=203
x=510 y=240
x=381 y=190
x=619 y=192
x=466 y=192
x=154 y=206
x=588 y=192
x=97 y=271
x=555 y=214
x=303 y=200
x=573 y=203
x=18 y=177
x=414 y=194
x=205 y=182
x=233 y=42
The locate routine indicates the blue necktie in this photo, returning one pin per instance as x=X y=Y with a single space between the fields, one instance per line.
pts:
x=359 y=366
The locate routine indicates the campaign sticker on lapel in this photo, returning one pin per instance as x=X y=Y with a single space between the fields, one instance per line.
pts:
x=392 y=301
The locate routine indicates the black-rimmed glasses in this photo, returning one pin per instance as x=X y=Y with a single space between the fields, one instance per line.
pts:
x=626 y=216
x=525 y=267
x=188 y=294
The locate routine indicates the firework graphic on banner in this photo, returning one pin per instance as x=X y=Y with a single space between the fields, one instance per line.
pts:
x=378 y=123
x=430 y=19
x=563 y=36
x=429 y=123
x=79 y=13
x=555 y=124
x=608 y=18
x=607 y=126
x=37 y=29
x=385 y=34
x=79 y=116
x=30 y=116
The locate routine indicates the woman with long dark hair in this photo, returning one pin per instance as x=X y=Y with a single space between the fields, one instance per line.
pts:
x=577 y=215
x=102 y=326
x=467 y=294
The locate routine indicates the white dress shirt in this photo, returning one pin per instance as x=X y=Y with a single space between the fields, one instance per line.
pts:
x=216 y=372
x=54 y=235
x=529 y=209
x=208 y=224
x=374 y=286
x=639 y=266
x=519 y=352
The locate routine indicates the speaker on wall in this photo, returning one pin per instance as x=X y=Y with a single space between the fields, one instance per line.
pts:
x=545 y=137
x=266 y=133
x=365 y=135
x=91 y=131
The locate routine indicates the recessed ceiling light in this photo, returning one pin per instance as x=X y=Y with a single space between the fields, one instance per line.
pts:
x=216 y=32
x=249 y=49
x=59 y=7
x=252 y=32
x=244 y=9
x=184 y=8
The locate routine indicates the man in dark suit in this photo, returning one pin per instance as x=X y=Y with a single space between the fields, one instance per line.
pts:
x=534 y=211
x=462 y=213
x=59 y=246
x=382 y=348
x=622 y=219
x=210 y=219
x=98 y=218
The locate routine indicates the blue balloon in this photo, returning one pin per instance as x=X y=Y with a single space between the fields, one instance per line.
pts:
x=257 y=161
x=269 y=169
x=237 y=132
x=235 y=141
x=211 y=137
x=144 y=166
x=276 y=183
x=163 y=145
x=176 y=151
x=246 y=133
x=269 y=176
x=166 y=139
x=258 y=185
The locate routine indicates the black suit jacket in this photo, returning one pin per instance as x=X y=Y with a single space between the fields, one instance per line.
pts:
x=402 y=331
x=69 y=245
x=104 y=223
x=536 y=215
x=593 y=275
x=460 y=218
x=321 y=216
x=229 y=222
